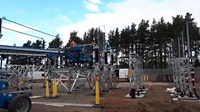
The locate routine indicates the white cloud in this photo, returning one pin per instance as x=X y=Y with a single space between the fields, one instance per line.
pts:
x=103 y=21
x=135 y=10
x=91 y=6
x=11 y=37
x=124 y=13
x=119 y=14
x=23 y=39
x=6 y=40
x=95 y=1
x=19 y=39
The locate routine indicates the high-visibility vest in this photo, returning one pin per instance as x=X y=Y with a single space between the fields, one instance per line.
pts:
x=73 y=44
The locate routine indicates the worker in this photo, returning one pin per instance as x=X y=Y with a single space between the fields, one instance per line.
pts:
x=73 y=44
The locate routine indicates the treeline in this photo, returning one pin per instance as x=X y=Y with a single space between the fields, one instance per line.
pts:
x=154 y=42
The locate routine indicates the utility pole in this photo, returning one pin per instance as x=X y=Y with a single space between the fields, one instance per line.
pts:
x=179 y=51
x=131 y=43
x=188 y=38
x=183 y=47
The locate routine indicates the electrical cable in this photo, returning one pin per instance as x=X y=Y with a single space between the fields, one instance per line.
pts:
x=4 y=18
x=21 y=32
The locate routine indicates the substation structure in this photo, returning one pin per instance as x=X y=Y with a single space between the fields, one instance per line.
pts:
x=184 y=79
x=67 y=67
x=74 y=76
x=136 y=76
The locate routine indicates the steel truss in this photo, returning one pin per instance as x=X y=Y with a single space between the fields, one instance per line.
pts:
x=22 y=75
x=114 y=79
x=136 y=71
x=182 y=76
x=71 y=78
x=108 y=79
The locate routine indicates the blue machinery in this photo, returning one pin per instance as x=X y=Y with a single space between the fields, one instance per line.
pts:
x=13 y=101
x=73 y=54
x=5 y=97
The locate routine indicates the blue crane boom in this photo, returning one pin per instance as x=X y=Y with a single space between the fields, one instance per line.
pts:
x=74 y=54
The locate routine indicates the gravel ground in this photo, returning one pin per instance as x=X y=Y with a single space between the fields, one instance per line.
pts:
x=81 y=96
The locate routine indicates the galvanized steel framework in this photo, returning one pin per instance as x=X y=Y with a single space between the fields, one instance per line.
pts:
x=107 y=74
x=71 y=78
x=136 y=64
x=22 y=75
x=182 y=75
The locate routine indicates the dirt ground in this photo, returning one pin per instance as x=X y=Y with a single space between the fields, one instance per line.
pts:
x=156 y=100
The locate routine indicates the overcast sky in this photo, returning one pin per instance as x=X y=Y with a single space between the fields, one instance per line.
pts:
x=64 y=16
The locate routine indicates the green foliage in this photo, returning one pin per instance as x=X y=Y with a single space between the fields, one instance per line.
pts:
x=37 y=44
x=114 y=42
x=157 y=42
x=75 y=38
x=56 y=42
x=93 y=35
x=27 y=44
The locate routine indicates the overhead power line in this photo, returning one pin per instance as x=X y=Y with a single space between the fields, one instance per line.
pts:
x=22 y=33
x=4 y=18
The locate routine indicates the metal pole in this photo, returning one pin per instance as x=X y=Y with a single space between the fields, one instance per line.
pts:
x=188 y=39
x=179 y=51
x=0 y=27
x=131 y=43
x=183 y=44
x=1 y=63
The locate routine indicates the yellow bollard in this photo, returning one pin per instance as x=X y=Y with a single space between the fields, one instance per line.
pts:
x=47 y=88
x=97 y=91
x=144 y=78
x=55 y=89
